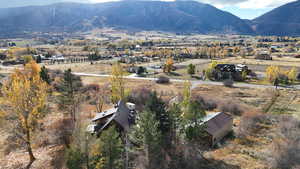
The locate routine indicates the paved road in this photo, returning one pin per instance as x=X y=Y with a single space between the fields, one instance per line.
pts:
x=195 y=83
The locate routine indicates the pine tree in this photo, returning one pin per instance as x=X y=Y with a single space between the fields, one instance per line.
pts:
x=38 y=59
x=191 y=69
x=108 y=151
x=193 y=120
x=176 y=122
x=69 y=88
x=74 y=158
x=45 y=75
x=186 y=96
x=157 y=106
x=147 y=136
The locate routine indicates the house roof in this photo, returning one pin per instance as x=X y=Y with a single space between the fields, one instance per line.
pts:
x=215 y=122
x=104 y=114
x=119 y=114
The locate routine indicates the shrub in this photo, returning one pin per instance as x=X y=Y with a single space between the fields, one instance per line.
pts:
x=141 y=70
x=60 y=132
x=207 y=103
x=228 y=83
x=191 y=69
x=251 y=124
x=232 y=108
x=298 y=76
x=163 y=80
x=286 y=152
x=139 y=97
x=90 y=88
x=74 y=158
x=253 y=75
x=283 y=78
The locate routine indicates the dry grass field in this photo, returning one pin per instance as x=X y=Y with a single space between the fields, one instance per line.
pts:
x=101 y=68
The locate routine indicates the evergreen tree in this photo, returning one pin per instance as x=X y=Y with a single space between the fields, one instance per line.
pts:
x=74 y=158
x=186 y=93
x=45 y=75
x=38 y=59
x=191 y=69
x=194 y=129
x=108 y=153
x=69 y=87
x=158 y=108
x=176 y=122
x=147 y=136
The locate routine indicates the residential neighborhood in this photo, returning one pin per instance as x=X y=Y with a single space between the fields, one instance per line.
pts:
x=149 y=84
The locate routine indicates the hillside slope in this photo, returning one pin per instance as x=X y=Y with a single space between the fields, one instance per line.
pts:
x=178 y=16
x=282 y=21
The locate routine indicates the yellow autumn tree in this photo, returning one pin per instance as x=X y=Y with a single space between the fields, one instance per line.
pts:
x=169 y=65
x=25 y=94
x=292 y=75
x=117 y=82
x=186 y=95
x=27 y=58
x=209 y=70
x=272 y=73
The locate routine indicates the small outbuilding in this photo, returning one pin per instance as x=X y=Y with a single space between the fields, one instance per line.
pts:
x=217 y=125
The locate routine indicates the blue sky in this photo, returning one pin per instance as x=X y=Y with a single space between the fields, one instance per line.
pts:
x=246 y=13
x=245 y=9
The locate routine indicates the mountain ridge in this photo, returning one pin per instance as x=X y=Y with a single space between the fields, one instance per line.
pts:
x=282 y=21
x=177 y=16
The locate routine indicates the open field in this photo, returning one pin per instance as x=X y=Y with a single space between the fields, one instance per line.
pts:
x=101 y=68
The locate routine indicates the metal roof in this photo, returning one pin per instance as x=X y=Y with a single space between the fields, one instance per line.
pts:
x=216 y=121
x=105 y=114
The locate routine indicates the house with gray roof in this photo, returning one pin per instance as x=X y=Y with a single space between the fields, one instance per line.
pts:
x=122 y=115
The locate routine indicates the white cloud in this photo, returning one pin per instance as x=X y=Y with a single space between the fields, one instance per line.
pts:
x=250 y=4
x=99 y=1
x=256 y=4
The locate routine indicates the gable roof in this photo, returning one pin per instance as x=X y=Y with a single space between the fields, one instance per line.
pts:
x=119 y=114
x=104 y=114
x=215 y=122
x=122 y=115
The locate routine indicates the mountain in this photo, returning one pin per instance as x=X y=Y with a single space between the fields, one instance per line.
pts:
x=20 y=3
x=282 y=21
x=177 y=16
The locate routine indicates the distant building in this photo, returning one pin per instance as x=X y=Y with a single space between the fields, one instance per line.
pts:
x=263 y=56
x=241 y=68
x=226 y=68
